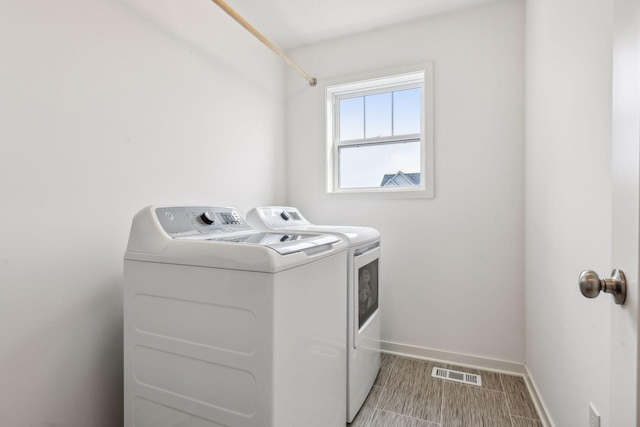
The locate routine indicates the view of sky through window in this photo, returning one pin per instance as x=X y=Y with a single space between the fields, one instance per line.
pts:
x=368 y=117
x=378 y=115
x=363 y=166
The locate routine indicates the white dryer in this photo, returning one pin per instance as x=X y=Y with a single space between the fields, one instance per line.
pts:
x=363 y=311
x=228 y=326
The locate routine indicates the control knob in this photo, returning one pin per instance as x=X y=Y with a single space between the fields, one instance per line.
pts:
x=285 y=216
x=208 y=217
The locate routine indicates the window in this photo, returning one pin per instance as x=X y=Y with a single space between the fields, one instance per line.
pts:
x=379 y=135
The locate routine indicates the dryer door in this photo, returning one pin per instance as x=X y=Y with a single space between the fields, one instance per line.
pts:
x=365 y=292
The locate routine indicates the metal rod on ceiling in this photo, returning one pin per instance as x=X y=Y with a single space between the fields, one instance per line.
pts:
x=232 y=13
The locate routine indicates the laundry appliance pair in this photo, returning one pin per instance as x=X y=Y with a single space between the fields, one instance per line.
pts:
x=226 y=325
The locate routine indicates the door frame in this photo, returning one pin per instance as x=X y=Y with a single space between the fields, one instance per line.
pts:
x=625 y=227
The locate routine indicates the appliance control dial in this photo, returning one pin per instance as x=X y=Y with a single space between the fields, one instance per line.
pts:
x=285 y=216
x=208 y=217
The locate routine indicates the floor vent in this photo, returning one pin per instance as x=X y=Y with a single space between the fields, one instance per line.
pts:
x=457 y=376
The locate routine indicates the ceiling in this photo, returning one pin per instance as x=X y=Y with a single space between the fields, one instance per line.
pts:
x=293 y=23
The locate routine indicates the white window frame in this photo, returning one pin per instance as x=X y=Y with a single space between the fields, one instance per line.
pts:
x=380 y=82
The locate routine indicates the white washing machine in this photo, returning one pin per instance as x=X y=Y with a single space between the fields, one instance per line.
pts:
x=363 y=311
x=228 y=326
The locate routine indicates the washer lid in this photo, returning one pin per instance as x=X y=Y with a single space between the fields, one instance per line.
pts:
x=284 y=244
x=282 y=218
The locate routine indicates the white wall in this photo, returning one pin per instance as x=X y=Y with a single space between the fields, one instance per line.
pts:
x=106 y=107
x=453 y=265
x=568 y=214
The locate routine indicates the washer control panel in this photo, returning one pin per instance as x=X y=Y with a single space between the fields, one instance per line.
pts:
x=276 y=217
x=190 y=221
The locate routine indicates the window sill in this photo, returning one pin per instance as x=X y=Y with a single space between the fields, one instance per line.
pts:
x=376 y=193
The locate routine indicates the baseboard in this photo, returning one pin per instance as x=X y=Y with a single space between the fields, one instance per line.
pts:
x=454 y=358
x=537 y=400
x=470 y=361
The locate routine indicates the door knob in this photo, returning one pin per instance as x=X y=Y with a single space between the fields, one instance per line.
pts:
x=591 y=285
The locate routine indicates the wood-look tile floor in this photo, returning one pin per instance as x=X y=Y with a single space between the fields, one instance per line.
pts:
x=406 y=395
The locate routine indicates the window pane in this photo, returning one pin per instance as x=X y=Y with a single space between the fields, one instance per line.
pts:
x=377 y=165
x=351 y=118
x=406 y=111
x=377 y=115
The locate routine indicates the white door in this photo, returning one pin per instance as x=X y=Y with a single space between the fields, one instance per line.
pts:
x=625 y=211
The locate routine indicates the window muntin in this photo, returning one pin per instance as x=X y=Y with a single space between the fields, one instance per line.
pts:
x=377 y=136
x=379 y=115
